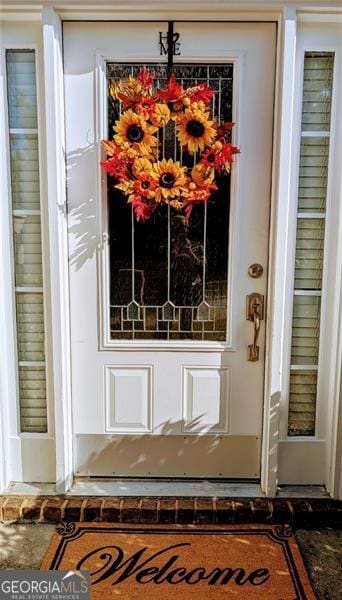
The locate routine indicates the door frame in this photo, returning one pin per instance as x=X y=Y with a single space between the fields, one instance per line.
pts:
x=268 y=477
x=287 y=19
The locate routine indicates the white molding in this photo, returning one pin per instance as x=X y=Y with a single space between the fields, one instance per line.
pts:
x=276 y=306
x=56 y=197
x=332 y=348
x=289 y=265
x=254 y=10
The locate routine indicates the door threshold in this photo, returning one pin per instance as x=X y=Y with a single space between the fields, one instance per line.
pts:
x=199 y=488
x=177 y=488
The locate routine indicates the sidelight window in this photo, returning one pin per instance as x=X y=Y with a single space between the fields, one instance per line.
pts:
x=26 y=219
x=310 y=241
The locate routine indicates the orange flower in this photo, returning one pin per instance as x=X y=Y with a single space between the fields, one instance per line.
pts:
x=220 y=156
x=144 y=186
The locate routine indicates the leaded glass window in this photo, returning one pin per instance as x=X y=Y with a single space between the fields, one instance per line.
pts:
x=168 y=276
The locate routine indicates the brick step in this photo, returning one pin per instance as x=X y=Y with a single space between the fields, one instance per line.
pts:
x=304 y=513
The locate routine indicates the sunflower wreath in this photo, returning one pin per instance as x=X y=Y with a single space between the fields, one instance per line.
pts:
x=144 y=132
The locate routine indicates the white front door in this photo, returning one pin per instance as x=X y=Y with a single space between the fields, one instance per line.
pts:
x=161 y=381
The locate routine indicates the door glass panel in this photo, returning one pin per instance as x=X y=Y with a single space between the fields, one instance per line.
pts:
x=168 y=276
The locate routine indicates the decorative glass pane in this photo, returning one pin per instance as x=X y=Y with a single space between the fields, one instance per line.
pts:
x=169 y=266
x=317 y=91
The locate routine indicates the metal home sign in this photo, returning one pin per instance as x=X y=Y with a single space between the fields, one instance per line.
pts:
x=50 y=585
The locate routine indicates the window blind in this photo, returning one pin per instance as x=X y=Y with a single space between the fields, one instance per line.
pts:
x=26 y=218
x=308 y=276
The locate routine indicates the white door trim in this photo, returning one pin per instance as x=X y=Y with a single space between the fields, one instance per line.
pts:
x=280 y=209
x=57 y=213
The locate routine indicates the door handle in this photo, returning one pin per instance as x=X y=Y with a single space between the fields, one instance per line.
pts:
x=255 y=314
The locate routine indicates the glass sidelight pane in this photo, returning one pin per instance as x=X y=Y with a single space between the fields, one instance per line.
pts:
x=30 y=329
x=302 y=402
x=305 y=330
x=310 y=239
x=28 y=251
x=25 y=171
x=313 y=174
x=168 y=277
x=26 y=220
x=309 y=254
x=32 y=395
x=21 y=89
x=317 y=91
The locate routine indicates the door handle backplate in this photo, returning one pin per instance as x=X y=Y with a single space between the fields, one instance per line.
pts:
x=255 y=314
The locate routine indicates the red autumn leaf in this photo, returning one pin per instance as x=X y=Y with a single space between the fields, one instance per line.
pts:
x=142 y=210
x=224 y=129
x=228 y=151
x=172 y=92
x=188 y=209
x=115 y=167
x=146 y=79
x=202 y=93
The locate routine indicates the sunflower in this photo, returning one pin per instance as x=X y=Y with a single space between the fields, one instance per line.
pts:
x=144 y=186
x=194 y=130
x=132 y=130
x=170 y=178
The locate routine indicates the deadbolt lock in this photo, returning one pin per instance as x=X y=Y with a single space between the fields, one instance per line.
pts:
x=255 y=270
x=254 y=313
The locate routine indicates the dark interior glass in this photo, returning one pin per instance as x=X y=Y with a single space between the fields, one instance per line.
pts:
x=168 y=277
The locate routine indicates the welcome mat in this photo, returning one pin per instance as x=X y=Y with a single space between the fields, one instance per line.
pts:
x=182 y=561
